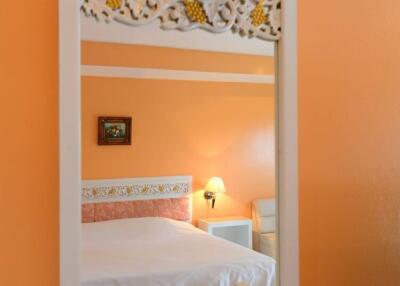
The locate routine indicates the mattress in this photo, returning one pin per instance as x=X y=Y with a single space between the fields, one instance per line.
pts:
x=160 y=251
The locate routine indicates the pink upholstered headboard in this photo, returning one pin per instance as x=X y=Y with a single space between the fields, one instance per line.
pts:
x=137 y=197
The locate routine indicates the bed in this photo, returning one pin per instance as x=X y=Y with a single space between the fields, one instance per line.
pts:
x=126 y=244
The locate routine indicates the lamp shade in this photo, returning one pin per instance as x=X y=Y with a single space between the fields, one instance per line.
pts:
x=215 y=185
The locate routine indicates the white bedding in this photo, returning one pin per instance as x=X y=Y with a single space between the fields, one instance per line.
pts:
x=160 y=251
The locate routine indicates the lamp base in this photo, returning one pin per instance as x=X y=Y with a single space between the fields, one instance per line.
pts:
x=209 y=195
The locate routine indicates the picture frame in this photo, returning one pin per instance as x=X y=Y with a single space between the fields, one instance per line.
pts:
x=114 y=130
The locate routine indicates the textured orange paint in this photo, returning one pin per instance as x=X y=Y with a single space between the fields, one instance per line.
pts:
x=349 y=75
x=182 y=127
x=111 y=54
x=29 y=144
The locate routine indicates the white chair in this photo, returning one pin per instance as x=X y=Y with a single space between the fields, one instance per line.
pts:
x=264 y=240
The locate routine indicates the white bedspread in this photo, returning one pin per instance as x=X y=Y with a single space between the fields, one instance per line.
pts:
x=159 y=251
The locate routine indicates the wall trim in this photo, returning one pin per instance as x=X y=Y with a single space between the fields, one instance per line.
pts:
x=164 y=74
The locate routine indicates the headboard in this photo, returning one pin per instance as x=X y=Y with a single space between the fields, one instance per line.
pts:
x=137 y=197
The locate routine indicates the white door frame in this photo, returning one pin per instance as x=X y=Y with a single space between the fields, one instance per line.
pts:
x=70 y=144
x=69 y=141
x=287 y=171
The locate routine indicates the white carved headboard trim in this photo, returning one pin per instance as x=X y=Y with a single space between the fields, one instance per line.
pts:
x=146 y=188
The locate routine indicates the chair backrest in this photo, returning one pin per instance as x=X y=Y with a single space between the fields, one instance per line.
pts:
x=263 y=211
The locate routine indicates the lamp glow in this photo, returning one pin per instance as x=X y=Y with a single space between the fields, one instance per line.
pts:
x=214 y=185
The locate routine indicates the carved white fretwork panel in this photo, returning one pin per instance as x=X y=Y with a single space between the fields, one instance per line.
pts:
x=253 y=19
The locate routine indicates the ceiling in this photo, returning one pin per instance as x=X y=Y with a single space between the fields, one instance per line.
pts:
x=152 y=35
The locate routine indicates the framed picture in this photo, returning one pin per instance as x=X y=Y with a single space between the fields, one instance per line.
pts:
x=114 y=130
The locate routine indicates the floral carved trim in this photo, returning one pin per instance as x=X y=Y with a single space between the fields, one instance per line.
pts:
x=252 y=19
x=126 y=191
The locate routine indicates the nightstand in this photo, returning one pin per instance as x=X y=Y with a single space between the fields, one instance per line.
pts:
x=235 y=229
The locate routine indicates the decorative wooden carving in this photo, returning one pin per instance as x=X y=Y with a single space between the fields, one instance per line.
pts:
x=252 y=19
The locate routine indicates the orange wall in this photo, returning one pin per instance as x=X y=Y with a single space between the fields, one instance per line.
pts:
x=29 y=144
x=349 y=75
x=183 y=127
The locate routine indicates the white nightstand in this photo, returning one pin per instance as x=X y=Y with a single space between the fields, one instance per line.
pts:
x=235 y=229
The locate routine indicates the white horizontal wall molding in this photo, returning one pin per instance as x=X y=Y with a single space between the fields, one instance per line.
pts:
x=164 y=74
